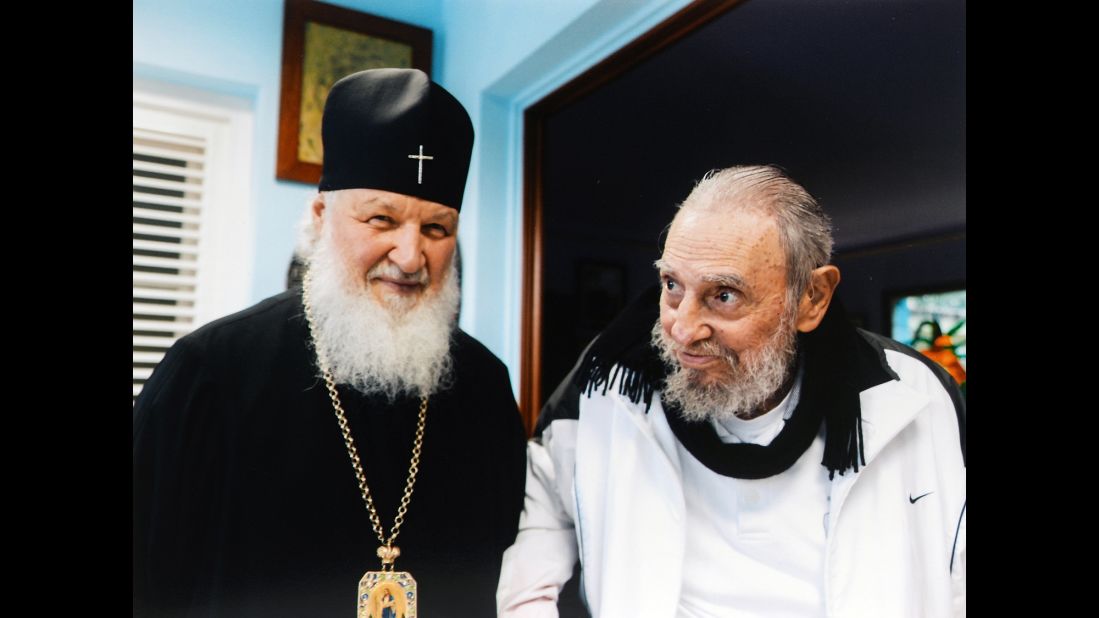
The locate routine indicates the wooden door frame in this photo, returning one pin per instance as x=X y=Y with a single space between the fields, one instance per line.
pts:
x=687 y=20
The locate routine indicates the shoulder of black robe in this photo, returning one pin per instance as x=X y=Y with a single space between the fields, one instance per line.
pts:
x=183 y=427
x=245 y=503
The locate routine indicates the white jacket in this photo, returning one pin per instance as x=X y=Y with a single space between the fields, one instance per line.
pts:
x=608 y=483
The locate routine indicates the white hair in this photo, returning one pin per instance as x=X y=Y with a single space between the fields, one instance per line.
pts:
x=750 y=379
x=307 y=233
x=805 y=231
x=397 y=347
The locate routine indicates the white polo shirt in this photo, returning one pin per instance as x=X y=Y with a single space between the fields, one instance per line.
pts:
x=755 y=547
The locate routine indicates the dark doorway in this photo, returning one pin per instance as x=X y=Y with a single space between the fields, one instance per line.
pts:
x=863 y=102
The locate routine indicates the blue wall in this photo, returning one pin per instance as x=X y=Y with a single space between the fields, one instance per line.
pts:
x=496 y=56
x=501 y=56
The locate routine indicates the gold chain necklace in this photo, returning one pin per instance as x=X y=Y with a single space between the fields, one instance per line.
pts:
x=386 y=588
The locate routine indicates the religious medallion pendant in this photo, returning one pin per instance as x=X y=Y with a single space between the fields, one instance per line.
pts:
x=387 y=594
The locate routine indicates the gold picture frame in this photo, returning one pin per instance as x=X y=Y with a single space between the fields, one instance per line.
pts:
x=322 y=43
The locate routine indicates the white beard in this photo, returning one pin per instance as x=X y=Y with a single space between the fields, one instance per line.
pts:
x=392 y=348
x=749 y=381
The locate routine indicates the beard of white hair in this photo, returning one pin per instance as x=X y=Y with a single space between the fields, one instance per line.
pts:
x=395 y=347
x=748 y=381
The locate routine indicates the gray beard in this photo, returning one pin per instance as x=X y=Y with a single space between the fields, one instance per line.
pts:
x=749 y=381
x=395 y=348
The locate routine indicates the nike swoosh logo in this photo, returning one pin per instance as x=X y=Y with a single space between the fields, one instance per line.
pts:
x=913 y=500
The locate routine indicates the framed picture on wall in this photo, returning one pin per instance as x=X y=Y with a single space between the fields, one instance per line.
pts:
x=322 y=43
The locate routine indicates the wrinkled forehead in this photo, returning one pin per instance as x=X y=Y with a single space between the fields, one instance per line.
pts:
x=710 y=234
x=740 y=250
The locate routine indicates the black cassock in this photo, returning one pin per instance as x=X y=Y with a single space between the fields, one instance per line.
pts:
x=245 y=501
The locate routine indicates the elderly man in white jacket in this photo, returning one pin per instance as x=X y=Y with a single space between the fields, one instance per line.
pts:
x=730 y=446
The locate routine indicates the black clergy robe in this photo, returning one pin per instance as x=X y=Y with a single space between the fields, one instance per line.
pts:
x=245 y=501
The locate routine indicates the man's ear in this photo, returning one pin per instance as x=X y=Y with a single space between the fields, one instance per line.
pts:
x=817 y=296
x=319 y=210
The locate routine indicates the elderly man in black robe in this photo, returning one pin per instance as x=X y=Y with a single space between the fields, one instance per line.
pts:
x=342 y=440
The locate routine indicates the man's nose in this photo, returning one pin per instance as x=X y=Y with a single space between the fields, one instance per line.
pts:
x=689 y=325
x=408 y=249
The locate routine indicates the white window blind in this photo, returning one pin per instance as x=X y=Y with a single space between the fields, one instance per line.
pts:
x=169 y=175
x=191 y=223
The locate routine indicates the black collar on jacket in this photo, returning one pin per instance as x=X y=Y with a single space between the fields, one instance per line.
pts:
x=839 y=364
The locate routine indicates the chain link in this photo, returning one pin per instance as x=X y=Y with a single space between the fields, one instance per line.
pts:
x=353 y=453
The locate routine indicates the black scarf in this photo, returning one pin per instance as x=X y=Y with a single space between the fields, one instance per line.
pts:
x=839 y=365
